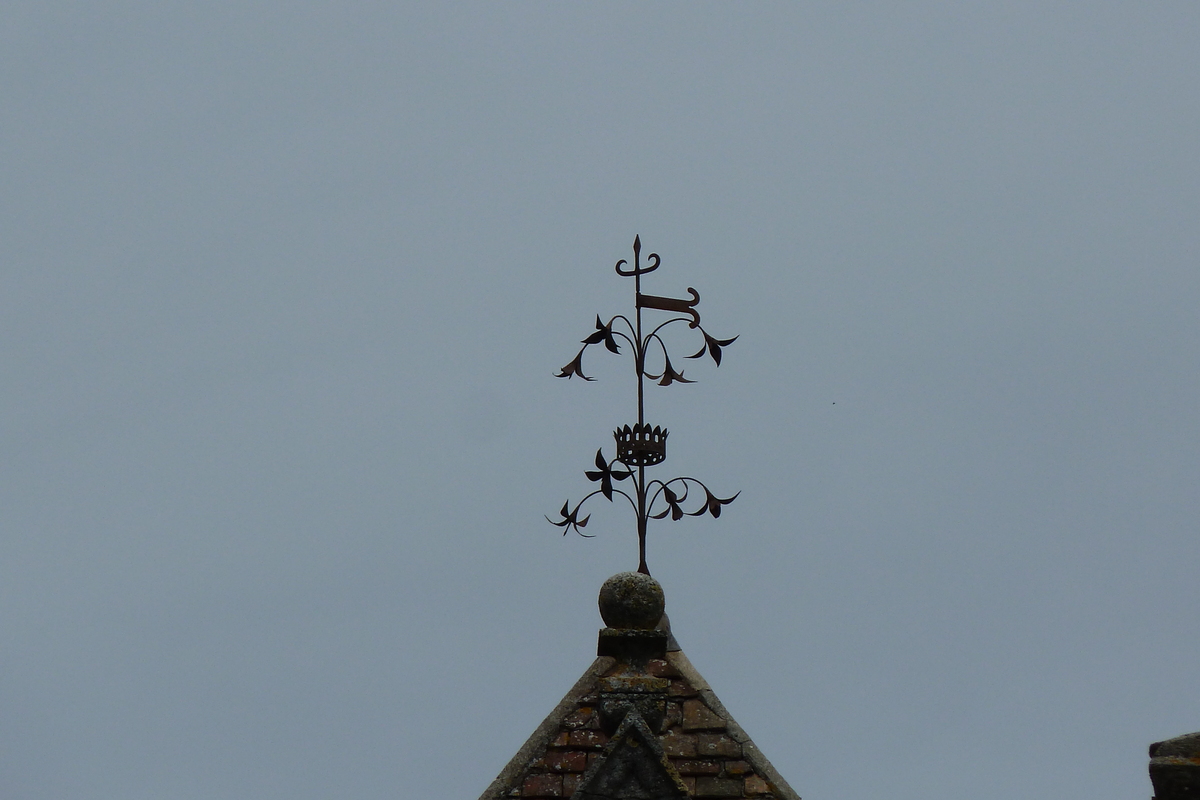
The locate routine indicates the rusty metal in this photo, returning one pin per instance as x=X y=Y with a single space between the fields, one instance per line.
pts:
x=641 y=445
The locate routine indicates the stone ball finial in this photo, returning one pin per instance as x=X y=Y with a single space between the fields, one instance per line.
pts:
x=631 y=600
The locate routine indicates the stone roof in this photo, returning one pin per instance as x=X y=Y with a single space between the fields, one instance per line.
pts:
x=641 y=724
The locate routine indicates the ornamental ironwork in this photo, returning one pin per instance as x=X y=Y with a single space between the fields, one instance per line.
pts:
x=641 y=445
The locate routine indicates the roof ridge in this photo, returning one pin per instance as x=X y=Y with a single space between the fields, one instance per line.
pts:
x=539 y=740
x=750 y=751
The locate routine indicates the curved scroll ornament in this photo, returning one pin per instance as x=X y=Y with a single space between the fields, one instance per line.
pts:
x=640 y=445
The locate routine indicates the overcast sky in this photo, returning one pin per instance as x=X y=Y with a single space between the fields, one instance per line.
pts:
x=283 y=288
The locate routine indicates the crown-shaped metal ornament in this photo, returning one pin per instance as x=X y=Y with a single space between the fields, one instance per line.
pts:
x=640 y=445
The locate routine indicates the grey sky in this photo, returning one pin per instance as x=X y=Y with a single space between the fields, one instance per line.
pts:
x=284 y=286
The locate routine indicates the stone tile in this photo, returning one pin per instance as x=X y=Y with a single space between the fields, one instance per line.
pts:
x=662 y=669
x=640 y=684
x=542 y=786
x=567 y=760
x=579 y=718
x=690 y=783
x=586 y=738
x=736 y=768
x=674 y=715
x=570 y=784
x=682 y=689
x=756 y=785
x=560 y=740
x=692 y=767
x=718 y=787
x=679 y=745
x=709 y=745
x=698 y=717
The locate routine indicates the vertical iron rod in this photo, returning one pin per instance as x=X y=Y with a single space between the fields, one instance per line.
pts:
x=640 y=365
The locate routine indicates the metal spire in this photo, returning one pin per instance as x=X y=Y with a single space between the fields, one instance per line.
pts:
x=640 y=446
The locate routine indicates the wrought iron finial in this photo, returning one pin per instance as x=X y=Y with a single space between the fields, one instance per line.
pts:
x=639 y=446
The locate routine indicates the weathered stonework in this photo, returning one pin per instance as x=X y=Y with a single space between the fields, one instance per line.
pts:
x=698 y=740
x=1175 y=768
x=641 y=724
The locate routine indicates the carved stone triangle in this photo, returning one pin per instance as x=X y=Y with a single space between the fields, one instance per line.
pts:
x=632 y=767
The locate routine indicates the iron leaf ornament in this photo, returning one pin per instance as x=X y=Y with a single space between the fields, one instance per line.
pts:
x=640 y=446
